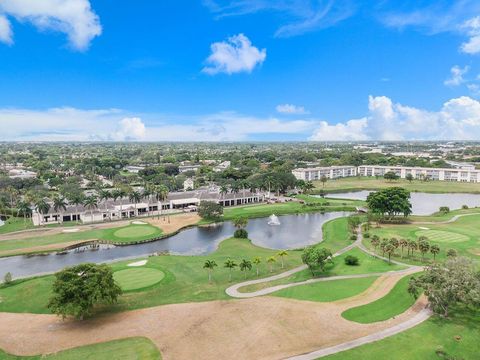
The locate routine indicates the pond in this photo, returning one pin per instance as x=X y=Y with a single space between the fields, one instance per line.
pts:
x=294 y=231
x=423 y=203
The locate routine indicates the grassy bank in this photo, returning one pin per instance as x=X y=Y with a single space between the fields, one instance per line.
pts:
x=394 y=303
x=327 y=291
x=124 y=349
x=185 y=279
x=371 y=183
x=437 y=338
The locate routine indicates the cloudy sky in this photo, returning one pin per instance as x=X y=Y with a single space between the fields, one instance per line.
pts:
x=236 y=70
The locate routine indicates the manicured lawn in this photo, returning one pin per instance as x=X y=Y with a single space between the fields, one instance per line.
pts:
x=15 y=224
x=137 y=278
x=368 y=264
x=394 y=303
x=185 y=279
x=457 y=337
x=327 y=291
x=124 y=349
x=462 y=235
x=371 y=183
x=336 y=235
x=131 y=233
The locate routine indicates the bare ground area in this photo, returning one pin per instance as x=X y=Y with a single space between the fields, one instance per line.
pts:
x=171 y=224
x=42 y=248
x=257 y=328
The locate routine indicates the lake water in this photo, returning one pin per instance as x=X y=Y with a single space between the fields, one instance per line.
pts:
x=294 y=231
x=423 y=203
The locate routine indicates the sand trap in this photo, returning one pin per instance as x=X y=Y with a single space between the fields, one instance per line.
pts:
x=70 y=230
x=138 y=263
x=423 y=228
x=139 y=222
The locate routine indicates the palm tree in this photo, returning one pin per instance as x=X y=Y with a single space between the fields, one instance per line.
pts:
x=403 y=243
x=323 y=179
x=136 y=197
x=119 y=194
x=412 y=246
x=161 y=194
x=91 y=203
x=243 y=184
x=282 y=253
x=271 y=260
x=257 y=262
x=235 y=189
x=42 y=207
x=434 y=249
x=23 y=207
x=375 y=241
x=245 y=265
x=423 y=246
x=210 y=265
x=390 y=250
x=230 y=264
x=146 y=194
x=223 y=190
x=59 y=205
x=77 y=199
x=104 y=195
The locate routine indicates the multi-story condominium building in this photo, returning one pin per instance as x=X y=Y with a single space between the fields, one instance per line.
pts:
x=442 y=174
x=332 y=172
x=124 y=208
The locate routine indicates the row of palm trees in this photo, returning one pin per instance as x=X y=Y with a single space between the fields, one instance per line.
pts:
x=389 y=246
x=59 y=203
x=244 y=265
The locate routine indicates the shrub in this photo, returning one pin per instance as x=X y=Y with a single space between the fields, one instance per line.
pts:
x=366 y=235
x=240 y=234
x=351 y=260
x=464 y=207
x=210 y=210
x=353 y=237
x=451 y=253
x=7 y=279
x=444 y=209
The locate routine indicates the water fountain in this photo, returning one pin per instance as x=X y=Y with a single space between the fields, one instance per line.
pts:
x=1 y=222
x=273 y=220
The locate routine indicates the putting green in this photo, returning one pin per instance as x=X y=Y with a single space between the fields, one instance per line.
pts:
x=442 y=236
x=133 y=279
x=135 y=231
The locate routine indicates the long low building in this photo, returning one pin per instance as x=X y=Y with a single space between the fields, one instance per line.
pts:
x=332 y=172
x=422 y=173
x=124 y=208
x=419 y=173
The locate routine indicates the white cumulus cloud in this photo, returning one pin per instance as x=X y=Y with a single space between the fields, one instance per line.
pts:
x=456 y=75
x=72 y=17
x=130 y=129
x=472 y=46
x=457 y=119
x=236 y=54
x=291 y=109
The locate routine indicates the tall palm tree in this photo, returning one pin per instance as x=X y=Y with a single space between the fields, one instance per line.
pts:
x=210 y=266
x=91 y=203
x=257 y=262
x=23 y=207
x=245 y=265
x=119 y=194
x=104 y=195
x=434 y=249
x=60 y=205
x=230 y=265
x=235 y=189
x=240 y=222
x=223 y=190
x=146 y=194
x=161 y=194
x=77 y=199
x=282 y=253
x=136 y=197
x=271 y=260
x=42 y=207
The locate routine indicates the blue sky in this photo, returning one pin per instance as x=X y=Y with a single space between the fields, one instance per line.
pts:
x=218 y=70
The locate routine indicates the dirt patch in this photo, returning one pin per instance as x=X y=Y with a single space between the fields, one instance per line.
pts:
x=475 y=251
x=258 y=328
x=171 y=224
x=39 y=249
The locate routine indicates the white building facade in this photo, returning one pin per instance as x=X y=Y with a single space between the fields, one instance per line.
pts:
x=332 y=172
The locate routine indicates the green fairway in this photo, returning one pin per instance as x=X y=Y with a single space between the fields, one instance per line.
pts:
x=185 y=279
x=462 y=235
x=336 y=235
x=328 y=290
x=134 y=279
x=442 y=236
x=371 y=183
x=437 y=338
x=368 y=264
x=394 y=303
x=124 y=349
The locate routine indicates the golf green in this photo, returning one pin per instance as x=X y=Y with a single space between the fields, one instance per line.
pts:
x=133 y=279
x=442 y=236
x=135 y=231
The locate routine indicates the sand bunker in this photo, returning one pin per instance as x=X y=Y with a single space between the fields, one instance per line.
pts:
x=70 y=230
x=423 y=228
x=138 y=263
x=139 y=222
